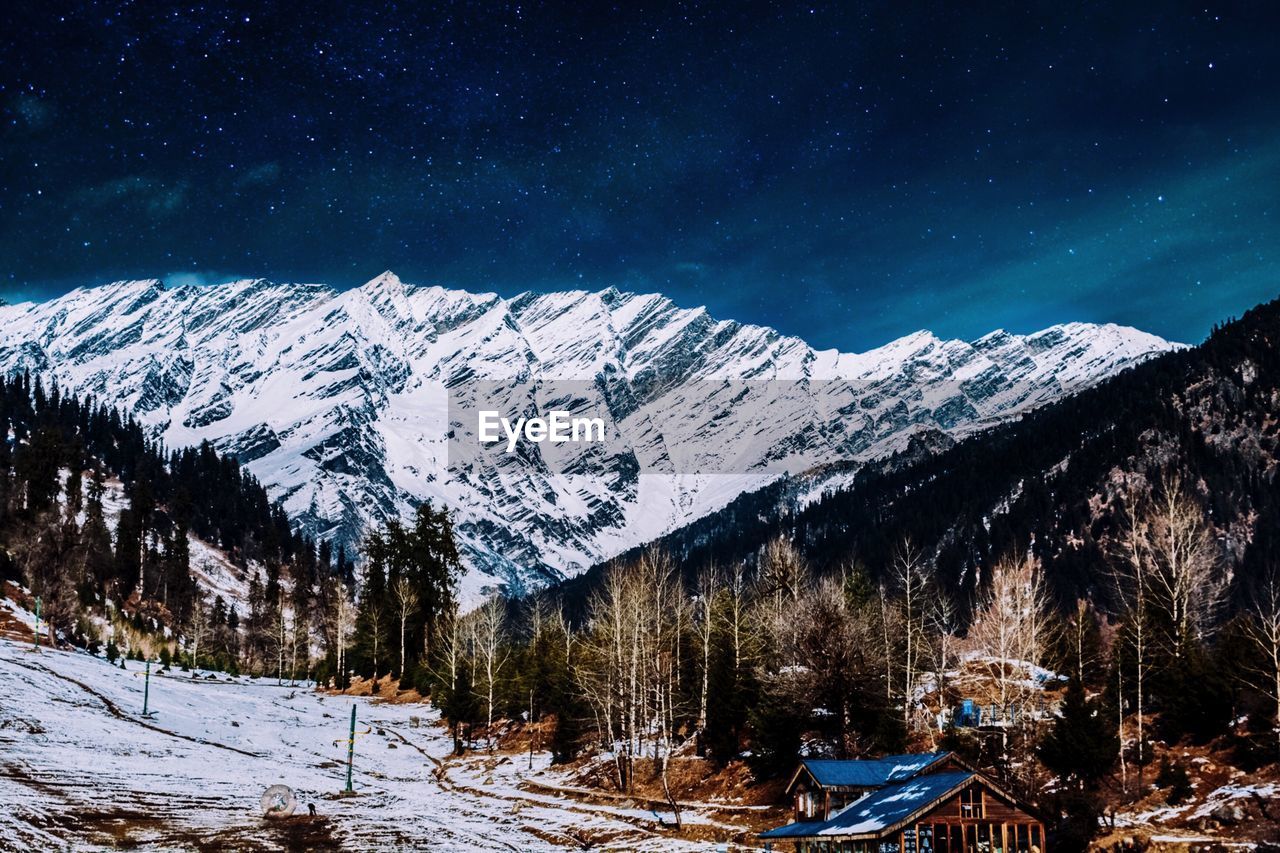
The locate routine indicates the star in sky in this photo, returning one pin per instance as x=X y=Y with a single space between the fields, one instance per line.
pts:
x=845 y=172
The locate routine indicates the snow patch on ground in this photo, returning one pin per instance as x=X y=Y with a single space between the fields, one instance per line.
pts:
x=80 y=766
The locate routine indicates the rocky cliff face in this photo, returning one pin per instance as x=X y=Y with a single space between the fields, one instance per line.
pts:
x=343 y=403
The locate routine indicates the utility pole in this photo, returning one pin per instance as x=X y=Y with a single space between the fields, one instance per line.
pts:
x=36 y=639
x=531 y=728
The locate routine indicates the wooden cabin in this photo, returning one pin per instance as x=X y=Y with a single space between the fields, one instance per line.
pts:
x=820 y=787
x=928 y=803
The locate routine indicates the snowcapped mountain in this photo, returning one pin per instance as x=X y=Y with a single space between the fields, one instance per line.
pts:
x=342 y=403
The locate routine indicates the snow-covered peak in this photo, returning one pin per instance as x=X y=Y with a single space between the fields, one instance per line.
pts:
x=335 y=400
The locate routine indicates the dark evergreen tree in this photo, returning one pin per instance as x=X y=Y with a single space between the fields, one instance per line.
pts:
x=1082 y=749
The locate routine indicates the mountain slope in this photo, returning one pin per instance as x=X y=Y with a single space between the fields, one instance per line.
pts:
x=1054 y=481
x=344 y=404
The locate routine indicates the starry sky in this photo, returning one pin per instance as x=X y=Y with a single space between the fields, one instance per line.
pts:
x=847 y=172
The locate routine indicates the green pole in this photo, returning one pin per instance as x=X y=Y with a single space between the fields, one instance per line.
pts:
x=36 y=639
x=351 y=747
x=146 y=688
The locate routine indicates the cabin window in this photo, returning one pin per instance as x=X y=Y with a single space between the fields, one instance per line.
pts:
x=942 y=838
x=804 y=804
x=971 y=804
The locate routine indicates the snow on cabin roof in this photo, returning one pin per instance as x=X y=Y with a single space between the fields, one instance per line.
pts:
x=870 y=773
x=879 y=810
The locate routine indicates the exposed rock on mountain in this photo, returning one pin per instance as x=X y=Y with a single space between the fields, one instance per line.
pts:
x=342 y=403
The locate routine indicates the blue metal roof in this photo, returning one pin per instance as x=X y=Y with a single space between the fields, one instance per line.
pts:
x=873 y=773
x=880 y=809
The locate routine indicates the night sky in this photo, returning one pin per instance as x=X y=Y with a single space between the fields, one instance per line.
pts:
x=845 y=172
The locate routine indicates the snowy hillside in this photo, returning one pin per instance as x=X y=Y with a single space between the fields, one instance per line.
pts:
x=79 y=765
x=339 y=402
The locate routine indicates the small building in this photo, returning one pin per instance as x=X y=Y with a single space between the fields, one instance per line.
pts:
x=921 y=803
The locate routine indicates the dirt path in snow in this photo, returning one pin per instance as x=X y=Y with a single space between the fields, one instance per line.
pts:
x=120 y=714
x=77 y=768
x=578 y=801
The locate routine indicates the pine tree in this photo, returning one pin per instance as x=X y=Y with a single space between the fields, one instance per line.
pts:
x=434 y=567
x=1081 y=746
x=96 y=537
x=372 y=615
x=128 y=555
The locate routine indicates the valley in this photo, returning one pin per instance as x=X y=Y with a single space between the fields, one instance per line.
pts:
x=81 y=767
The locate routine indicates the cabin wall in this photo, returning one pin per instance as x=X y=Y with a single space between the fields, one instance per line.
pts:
x=993 y=807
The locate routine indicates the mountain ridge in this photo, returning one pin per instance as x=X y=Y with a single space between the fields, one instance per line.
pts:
x=1042 y=484
x=333 y=398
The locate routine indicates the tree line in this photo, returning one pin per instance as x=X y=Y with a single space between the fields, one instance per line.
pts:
x=764 y=660
x=1206 y=412
x=1136 y=557
x=98 y=522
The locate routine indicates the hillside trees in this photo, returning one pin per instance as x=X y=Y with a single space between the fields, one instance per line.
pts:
x=628 y=670
x=1171 y=591
x=61 y=457
x=417 y=564
x=836 y=663
x=1262 y=627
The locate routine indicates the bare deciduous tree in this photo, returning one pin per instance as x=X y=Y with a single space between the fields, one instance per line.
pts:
x=280 y=635
x=1180 y=564
x=1011 y=627
x=911 y=579
x=451 y=638
x=1263 y=628
x=340 y=617
x=376 y=625
x=942 y=645
x=1078 y=628
x=784 y=575
x=406 y=598
x=707 y=602
x=197 y=629
x=736 y=614
x=488 y=631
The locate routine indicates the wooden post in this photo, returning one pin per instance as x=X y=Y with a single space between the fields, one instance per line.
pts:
x=146 y=688
x=351 y=747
